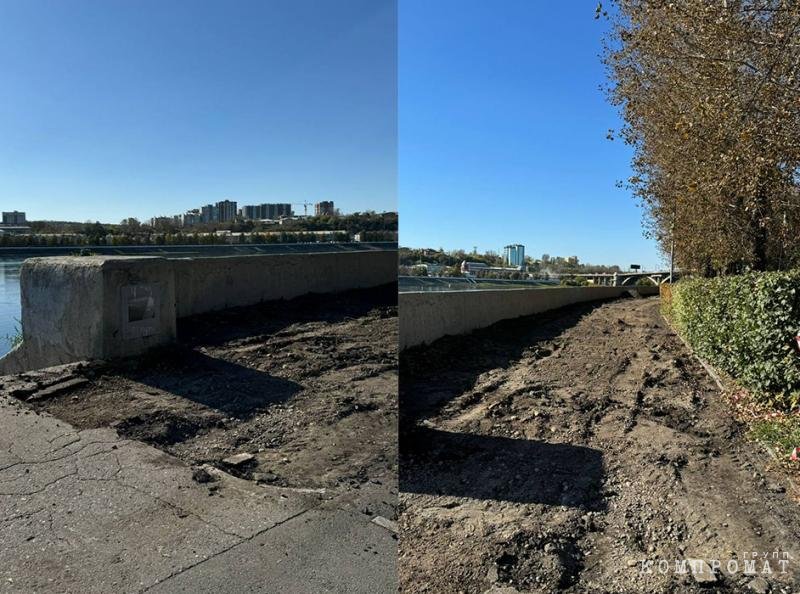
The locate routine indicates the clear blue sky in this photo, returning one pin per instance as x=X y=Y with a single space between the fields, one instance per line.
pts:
x=117 y=108
x=502 y=132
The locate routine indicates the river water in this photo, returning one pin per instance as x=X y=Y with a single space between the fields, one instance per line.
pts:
x=9 y=300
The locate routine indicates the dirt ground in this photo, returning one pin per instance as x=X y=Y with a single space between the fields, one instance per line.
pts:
x=556 y=453
x=307 y=387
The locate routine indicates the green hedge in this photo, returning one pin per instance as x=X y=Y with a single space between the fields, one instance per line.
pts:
x=745 y=325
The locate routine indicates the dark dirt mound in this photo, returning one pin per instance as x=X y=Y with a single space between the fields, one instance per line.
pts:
x=160 y=428
x=307 y=386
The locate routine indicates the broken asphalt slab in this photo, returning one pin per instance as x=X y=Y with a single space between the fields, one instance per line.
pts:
x=88 y=511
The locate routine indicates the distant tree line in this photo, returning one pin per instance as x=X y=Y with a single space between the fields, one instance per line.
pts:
x=371 y=227
x=410 y=260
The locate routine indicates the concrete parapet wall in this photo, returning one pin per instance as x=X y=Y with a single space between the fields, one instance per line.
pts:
x=426 y=316
x=210 y=284
x=107 y=307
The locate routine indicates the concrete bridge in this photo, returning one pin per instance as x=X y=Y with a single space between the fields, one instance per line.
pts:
x=626 y=279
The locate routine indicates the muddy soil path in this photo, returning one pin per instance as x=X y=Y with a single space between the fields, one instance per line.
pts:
x=307 y=388
x=555 y=453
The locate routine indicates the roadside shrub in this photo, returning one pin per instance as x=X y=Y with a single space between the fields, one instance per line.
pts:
x=645 y=282
x=665 y=295
x=781 y=433
x=745 y=325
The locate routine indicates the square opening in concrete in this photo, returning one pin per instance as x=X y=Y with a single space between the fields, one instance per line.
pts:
x=140 y=310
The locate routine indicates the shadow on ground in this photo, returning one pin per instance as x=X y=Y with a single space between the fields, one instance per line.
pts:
x=224 y=386
x=271 y=317
x=499 y=468
x=480 y=466
x=432 y=375
x=182 y=378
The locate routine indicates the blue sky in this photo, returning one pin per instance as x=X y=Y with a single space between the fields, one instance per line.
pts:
x=502 y=132
x=117 y=108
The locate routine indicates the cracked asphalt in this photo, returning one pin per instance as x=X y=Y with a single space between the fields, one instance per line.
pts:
x=90 y=511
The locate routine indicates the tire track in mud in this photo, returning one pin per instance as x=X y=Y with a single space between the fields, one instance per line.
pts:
x=556 y=453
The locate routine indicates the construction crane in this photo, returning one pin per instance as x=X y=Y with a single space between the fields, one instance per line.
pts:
x=305 y=206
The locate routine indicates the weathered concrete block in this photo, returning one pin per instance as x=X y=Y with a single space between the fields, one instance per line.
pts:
x=95 y=307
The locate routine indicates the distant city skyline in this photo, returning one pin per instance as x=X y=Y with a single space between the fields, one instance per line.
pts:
x=119 y=109
x=298 y=209
x=244 y=211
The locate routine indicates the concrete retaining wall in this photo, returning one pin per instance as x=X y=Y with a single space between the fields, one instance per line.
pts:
x=424 y=317
x=210 y=284
x=106 y=307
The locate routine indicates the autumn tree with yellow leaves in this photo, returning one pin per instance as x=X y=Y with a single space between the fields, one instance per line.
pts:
x=710 y=96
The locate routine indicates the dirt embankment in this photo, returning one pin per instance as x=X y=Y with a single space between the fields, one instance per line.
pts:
x=555 y=453
x=306 y=389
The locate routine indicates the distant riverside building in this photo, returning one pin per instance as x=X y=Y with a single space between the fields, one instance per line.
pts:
x=472 y=267
x=208 y=213
x=324 y=208
x=226 y=211
x=258 y=212
x=14 y=217
x=480 y=268
x=14 y=223
x=514 y=255
x=191 y=218
x=165 y=221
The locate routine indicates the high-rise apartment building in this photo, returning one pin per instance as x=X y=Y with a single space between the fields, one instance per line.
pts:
x=14 y=217
x=266 y=211
x=324 y=208
x=226 y=211
x=514 y=255
x=207 y=213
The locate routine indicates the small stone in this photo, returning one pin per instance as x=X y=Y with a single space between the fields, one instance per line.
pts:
x=776 y=487
x=386 y=523
x=758 y=585
x=701 y=571
x=201 y=475
x=491 y=575
x=238 y=459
